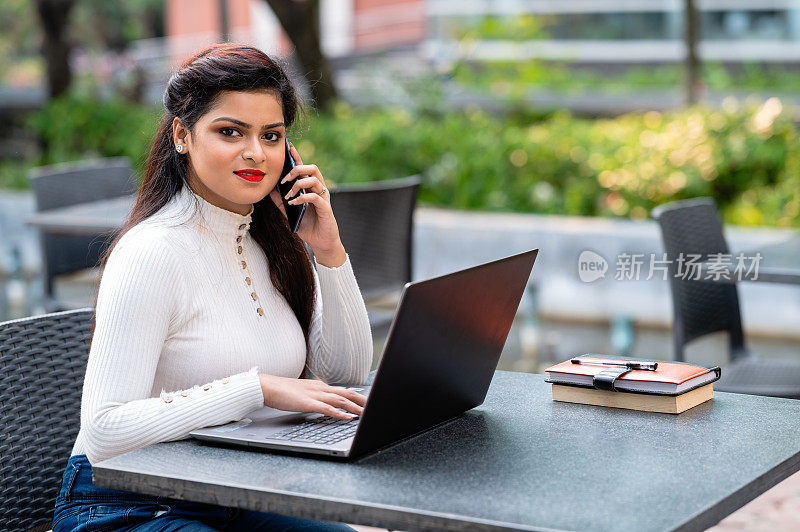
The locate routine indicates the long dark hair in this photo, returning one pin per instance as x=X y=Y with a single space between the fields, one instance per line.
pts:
x=190 y=93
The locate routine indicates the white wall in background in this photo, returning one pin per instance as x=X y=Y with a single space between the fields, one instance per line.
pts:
x=336 y=27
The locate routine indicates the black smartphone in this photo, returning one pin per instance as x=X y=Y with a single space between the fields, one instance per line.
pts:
x=293 y=212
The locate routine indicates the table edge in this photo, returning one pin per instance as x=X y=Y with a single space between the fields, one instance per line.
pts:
x=729 y=504
x=328 y=508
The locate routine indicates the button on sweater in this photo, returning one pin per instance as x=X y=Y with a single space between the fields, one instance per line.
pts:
x=187 y=316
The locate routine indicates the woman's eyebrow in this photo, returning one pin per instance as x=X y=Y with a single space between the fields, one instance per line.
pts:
x=244 y=124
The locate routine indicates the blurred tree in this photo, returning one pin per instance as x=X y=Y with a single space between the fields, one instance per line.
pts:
x=54 y=16
x=21 y=31
x=693 y=81
x=300 y=21
x=18 y=40
x=122 y=23
x=225 y=27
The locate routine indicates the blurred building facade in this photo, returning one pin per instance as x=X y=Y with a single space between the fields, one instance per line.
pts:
x=593 y=32
x=579 y=31
x=634 y=31
x=346 y=26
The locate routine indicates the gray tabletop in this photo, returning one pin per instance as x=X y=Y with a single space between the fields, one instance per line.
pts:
x=104 y=216
x=518 y=462
x=778 y=263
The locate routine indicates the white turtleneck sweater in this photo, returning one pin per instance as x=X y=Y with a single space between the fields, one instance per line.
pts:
x=187 y=316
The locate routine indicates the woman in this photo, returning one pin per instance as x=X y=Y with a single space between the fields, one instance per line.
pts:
x=209 y=307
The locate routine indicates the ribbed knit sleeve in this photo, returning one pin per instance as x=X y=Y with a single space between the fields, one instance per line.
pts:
x=141 y=300
x=340 y=338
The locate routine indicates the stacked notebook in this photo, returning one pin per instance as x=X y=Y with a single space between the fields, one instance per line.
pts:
x=669 y=387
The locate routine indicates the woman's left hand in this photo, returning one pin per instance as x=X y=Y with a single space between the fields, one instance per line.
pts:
x=318 y=227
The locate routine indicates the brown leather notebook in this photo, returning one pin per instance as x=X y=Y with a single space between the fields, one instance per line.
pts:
x=669 y=378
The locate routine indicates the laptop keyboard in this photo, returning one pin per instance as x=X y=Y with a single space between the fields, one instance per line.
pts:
x=319 y=430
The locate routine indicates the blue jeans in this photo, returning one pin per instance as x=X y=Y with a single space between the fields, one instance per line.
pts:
x=83 y=507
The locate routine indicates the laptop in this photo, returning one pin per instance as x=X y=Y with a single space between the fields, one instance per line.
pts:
x=438 y=361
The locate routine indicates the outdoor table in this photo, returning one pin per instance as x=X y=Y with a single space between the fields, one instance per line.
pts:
x=95 y=217
x=780 y=263
x=518 y=462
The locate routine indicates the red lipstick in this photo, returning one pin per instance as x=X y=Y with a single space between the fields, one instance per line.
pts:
x=250 y=174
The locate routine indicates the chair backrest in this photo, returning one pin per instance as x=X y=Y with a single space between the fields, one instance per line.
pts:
x=376 y=227
x=65 y=184
x=42 y=364
x=693 y=227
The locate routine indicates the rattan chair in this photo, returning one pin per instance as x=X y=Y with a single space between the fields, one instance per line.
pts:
x=376 y=227
x=701 y=308
x=62 y=185
x=43 y=361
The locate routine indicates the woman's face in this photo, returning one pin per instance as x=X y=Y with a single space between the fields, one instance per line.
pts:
x=243 y=131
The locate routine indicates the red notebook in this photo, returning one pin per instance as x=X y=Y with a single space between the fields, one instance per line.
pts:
x=669 y=378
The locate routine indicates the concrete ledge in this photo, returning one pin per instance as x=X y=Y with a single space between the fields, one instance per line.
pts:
x=447 y=240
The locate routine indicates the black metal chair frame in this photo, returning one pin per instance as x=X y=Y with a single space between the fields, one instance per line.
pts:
x=376 y=223
x=699 y=308
x=65 y=184
x=704 y=307
x=42 y=364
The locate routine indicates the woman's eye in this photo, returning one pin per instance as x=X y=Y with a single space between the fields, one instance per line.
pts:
x=271 y=136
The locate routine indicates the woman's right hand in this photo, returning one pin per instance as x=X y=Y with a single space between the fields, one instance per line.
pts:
x=308 y=395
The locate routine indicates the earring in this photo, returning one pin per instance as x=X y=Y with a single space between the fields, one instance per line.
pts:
x=179 y=148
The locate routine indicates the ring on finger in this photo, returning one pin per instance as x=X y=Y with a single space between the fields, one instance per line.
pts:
x=324 y=190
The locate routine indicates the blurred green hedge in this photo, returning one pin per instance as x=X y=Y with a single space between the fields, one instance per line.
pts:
x=75 y=127
x=745 y=156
